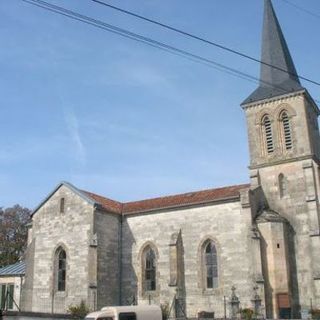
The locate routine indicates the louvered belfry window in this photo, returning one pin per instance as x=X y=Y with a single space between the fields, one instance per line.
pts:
x=286 y=131
x=268 y=134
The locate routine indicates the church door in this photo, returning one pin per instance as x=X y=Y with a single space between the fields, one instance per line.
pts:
x=284 y=307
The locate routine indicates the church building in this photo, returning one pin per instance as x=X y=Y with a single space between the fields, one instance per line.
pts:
x=261 y=238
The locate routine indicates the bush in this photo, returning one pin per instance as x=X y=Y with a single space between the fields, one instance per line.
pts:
x=165 y=310
x=246 y=313
x=80 y=310
x=315 y=313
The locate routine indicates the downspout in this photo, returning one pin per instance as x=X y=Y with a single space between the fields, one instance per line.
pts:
x=120 y=256
x=20 y=295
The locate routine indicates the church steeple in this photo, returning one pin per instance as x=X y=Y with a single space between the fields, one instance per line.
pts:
x=282 y=78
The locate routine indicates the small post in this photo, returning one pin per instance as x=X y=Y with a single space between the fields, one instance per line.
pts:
x=225 y=307
x=149 y=299
x=256 y=303
x=52 y=301
x=234 y=302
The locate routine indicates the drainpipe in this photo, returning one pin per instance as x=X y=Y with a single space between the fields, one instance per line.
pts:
x=120 y=257
x=21 y=276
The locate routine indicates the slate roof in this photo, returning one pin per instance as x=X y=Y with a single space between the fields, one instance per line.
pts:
x=16 y=269
x=174 y=201
x=275 y=52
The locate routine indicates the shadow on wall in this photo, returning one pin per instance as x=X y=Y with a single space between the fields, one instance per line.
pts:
x=129 y=278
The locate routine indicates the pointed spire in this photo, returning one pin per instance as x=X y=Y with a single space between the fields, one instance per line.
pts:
x=282 y=78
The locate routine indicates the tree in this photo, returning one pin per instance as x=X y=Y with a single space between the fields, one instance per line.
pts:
x=13 y=233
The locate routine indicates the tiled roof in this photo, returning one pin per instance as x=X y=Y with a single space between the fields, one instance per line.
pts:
x=107 y=204
x=16 y=269
x=185 y=199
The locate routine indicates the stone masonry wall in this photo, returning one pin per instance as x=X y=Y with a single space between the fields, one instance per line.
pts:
x=72 y=230
x=299 y=123
x=228 y=224
x=107 y=228
x=299 y=205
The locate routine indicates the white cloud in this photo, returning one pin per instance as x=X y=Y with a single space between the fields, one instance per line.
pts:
x=74 y=131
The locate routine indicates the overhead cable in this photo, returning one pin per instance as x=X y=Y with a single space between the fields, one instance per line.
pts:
x=185 y=33
x=146 y=40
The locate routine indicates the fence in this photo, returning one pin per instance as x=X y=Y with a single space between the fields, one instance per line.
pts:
x=44 y=301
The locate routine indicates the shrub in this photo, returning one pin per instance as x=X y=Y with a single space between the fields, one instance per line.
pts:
x=315 y=313
x=79 y=310
x=246 y=313
x=165 y=310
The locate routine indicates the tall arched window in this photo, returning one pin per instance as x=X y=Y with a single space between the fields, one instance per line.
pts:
x=267 y=133
x=60 y=269
x=211 y=265
x=282 y=185
x=149 y=269
x=286 y=130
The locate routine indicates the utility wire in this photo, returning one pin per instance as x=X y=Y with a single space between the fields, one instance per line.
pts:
x=204 y=40
x=142 y=39
x=302 y=9
x=145 y=40
x=133 y=36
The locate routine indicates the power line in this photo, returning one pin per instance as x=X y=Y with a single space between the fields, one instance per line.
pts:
x=302 y=9
x=193 y=36
x=139 y=38
x=145 y=40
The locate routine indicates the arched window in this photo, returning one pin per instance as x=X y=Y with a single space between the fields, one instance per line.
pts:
x=286 y=130
x=211 y=265
x=282 y=185
x=149 y=269
x=60 y=269
x=267 y=133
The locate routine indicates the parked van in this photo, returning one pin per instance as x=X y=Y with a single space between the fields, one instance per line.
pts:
x=127 y=313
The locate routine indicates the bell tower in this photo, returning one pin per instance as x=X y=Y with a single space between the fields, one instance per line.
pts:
x=284 y=145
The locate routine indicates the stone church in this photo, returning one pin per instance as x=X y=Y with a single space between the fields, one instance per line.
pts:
x=261 y=238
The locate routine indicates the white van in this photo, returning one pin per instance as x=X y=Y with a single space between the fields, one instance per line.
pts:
x=127 y=313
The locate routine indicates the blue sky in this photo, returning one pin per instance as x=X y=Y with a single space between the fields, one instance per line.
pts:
x=125 y=120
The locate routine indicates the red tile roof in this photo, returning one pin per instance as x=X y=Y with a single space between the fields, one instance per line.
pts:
x=185 y=199
x=107 y=204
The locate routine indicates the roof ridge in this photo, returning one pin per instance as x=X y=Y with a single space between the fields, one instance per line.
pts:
x=99 y=195
x=190 y=192
x=169 y=201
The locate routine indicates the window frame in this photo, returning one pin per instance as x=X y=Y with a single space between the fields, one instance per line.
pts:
x=283 y=185
x=286 y=131
x=62 y=204
x=149 y=269
x=267 y=135
x=211 y=263
x=7 y=304
x=60 y=269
